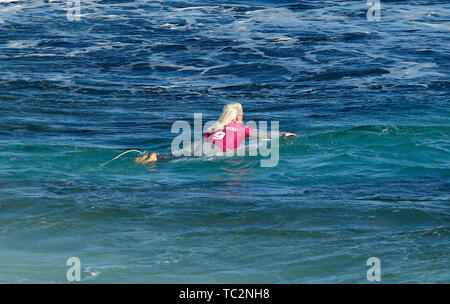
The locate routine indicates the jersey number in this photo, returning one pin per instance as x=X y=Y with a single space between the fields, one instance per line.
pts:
x=219 y=135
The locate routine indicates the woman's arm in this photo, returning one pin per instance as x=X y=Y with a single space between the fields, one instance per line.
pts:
x=271 y=134
x=288 y=134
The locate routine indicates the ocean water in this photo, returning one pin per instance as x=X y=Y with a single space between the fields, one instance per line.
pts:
x=367 y=176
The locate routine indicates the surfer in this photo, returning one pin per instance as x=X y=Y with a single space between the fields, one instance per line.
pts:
x=226 y=134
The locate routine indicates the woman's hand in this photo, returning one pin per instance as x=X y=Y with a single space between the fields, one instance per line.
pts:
x=287 y=134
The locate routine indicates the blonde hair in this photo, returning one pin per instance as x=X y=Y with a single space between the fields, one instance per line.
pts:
x=229 y=113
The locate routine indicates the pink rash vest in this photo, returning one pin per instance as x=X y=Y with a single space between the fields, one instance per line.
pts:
x=230 y=137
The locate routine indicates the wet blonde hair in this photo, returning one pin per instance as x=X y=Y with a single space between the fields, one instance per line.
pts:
x=229 y=113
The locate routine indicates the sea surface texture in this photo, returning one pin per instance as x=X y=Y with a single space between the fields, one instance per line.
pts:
x=367 y=176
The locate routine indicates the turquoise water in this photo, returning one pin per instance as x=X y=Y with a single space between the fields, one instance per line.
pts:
x=367 y=176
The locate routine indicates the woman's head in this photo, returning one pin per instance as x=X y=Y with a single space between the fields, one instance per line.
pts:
x=231 y=112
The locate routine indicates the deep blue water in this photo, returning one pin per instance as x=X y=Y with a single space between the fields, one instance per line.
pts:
x=367 y=176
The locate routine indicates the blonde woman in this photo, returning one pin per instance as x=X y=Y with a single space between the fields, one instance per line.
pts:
x=227 y=133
